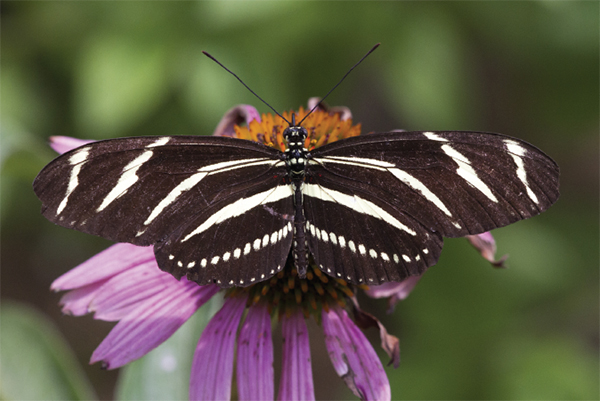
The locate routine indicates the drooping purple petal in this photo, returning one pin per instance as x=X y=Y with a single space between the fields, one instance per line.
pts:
x=112 y=283
x=353 y=357
x=104 y=265
x=237 y=115
x=76 y=302
x=62 y=144
x=255 y=356
x=151 y=323
x=212 y=368
x=296 y=375
x=396 y=292
x=486 y=245
x=122 y=293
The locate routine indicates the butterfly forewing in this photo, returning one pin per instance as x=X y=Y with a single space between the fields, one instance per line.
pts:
x=139 y=190
x=454 y=183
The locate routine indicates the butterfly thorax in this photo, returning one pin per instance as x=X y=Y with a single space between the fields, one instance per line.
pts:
x=296 y=153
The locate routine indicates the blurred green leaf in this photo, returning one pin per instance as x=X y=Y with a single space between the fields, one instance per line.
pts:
x=119 y=82
x=209 y=90
x=548 y=368
x=429 y=81
x=232 y=14
x=22 y=104
x=537 y=255
x=36 y=363
x=164 y=373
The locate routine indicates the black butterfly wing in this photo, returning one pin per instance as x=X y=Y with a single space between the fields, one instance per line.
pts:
x=148 y=190
x=448 y=183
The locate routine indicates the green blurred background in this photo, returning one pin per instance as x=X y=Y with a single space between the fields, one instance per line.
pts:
x=527 y=69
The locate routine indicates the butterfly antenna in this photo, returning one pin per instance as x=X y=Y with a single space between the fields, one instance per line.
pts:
x=344 y=77
x=251 y=91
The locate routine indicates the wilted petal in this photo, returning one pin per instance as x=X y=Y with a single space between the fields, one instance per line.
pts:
x=486 y=245
x=296 y=376
x=151 y=323
x=62 y=144
x=237 y=115
x=123 y=292
x=353 y=357
x=212 y=368
x=104 y=265
x=389 y=343
x=255 y=356
x=396 y=292
x=77 y=302
x=343 y=111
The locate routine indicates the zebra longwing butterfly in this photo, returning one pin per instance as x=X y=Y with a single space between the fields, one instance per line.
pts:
x=368 y=209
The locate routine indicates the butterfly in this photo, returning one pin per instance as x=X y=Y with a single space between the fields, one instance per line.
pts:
x=368 y=209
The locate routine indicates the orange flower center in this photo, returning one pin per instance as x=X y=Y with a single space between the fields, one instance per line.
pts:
x=323 y=127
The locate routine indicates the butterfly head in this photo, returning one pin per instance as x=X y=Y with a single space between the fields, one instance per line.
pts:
x=295 y=136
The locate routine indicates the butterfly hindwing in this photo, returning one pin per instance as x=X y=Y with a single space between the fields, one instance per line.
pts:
x=362 y=239
x=239 y=240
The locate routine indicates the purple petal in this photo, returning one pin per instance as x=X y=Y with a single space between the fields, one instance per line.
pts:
x=255 y=356
x=400 y=290
x=395 y=291
x=77 y=302
x=151 y=323
x=486 y=245
x=237 y=115
x=296 y=372
x=343 y=111
x=353 y=357
x=104 y=265
x=62 y=144
x=121 y=294
x=212 y=368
